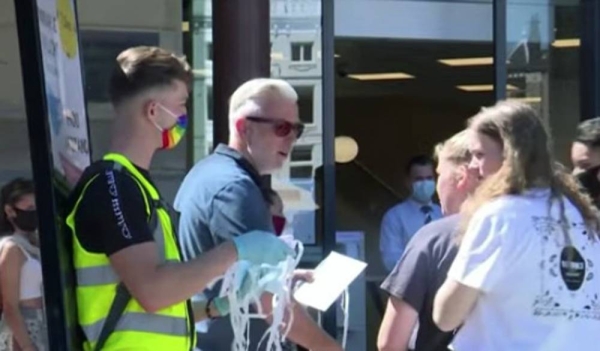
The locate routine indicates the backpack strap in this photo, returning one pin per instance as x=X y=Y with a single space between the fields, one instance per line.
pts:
x=117 y=308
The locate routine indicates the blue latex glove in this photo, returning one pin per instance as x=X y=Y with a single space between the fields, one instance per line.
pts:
x=245 y=286
x=258 y=247
x=221 y=304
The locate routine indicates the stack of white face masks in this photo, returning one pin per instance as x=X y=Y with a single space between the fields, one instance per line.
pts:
x=255 y=281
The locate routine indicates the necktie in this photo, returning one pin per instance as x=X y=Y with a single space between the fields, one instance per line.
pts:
x=427 y=212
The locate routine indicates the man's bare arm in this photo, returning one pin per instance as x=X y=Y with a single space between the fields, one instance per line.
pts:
x=304 y=331
x=397 y=326
x=156 y=286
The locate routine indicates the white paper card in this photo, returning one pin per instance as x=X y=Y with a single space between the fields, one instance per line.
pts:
x=334 y=274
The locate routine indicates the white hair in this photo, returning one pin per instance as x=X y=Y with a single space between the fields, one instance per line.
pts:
x=252 y=96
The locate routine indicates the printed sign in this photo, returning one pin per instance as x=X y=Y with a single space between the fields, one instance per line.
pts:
x=64 y=88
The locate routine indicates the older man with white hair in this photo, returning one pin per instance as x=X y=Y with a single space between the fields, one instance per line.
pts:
x=223 y=196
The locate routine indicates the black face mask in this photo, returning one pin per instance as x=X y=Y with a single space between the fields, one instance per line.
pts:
x=27 y=221
x=591 y=184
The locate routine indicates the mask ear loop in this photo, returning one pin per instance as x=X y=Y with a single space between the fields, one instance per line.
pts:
x=346 y=312
x=345 y=307
x=276 y=280
x=240 y=313
x=281 y=288
x=169 y=112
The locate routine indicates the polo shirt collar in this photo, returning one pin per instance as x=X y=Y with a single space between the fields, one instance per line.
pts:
x=227 y=151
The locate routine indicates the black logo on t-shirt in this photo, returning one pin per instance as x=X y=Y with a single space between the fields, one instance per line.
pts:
x=568 y=286
x=572 y=268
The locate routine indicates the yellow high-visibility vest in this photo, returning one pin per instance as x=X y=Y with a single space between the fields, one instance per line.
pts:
x=169 y=329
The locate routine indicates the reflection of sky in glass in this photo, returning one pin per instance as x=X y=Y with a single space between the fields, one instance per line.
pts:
x=304 y=221
x=532 y=20
x=296 y=24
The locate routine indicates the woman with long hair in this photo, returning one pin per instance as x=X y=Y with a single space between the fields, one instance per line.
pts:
x=527 y=274
x=23 y=320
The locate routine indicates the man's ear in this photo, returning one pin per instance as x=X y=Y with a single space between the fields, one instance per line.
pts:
x=149 y=108
x=462 y=177
x=241 y=126
x=466 y=179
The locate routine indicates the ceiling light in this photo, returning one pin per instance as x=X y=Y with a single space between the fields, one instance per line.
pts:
x=483 y=87
x=528 y=99
x=185 y=26
x=346 y=149
x=567 y=43
x=470 y=61
x=336 y=56
x=381 y=76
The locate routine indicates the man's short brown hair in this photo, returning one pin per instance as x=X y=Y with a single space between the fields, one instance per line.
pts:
x=141 y=68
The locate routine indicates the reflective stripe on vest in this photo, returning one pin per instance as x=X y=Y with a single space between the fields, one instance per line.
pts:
x=170 y=328
x=99 y=275
x=143 y=322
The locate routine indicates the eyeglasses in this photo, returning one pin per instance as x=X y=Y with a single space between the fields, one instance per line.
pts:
x=281 y=128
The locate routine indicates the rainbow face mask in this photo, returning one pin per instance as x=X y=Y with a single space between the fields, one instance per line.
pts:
x=172 y=136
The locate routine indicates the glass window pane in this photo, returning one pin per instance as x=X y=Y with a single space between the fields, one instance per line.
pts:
x=543 y=64
x=14 y=138
x=407 y=78
x=301 y=153
x=307 y=52
x=306 y=103
x=301 y=172
x=295 y=33
x=209 y=103
x=201 y=60
x=296 y=52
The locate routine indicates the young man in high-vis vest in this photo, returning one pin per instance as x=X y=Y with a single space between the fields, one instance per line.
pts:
x=132 y=289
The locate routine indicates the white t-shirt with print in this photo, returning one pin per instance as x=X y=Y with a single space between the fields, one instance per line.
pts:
x=537 y=294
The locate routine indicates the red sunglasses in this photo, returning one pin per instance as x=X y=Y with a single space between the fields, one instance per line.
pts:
x=280 y=128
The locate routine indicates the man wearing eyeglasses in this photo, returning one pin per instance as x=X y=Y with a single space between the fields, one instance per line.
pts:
x=223 y=196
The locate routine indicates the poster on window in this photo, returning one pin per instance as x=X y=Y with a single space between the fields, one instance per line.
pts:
x=64 y=89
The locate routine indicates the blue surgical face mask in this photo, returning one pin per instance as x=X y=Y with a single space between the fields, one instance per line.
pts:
x=422 y=190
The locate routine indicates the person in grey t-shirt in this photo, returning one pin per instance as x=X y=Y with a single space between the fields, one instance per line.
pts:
x=223 y=196
x=413 y=282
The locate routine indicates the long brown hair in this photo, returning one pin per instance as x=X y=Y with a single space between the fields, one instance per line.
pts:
x=527 y=163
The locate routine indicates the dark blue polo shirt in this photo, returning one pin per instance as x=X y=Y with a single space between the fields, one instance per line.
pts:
x=221 y=197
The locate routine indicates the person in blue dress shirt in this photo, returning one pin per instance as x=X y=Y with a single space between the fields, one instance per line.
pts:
x=402 y=221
